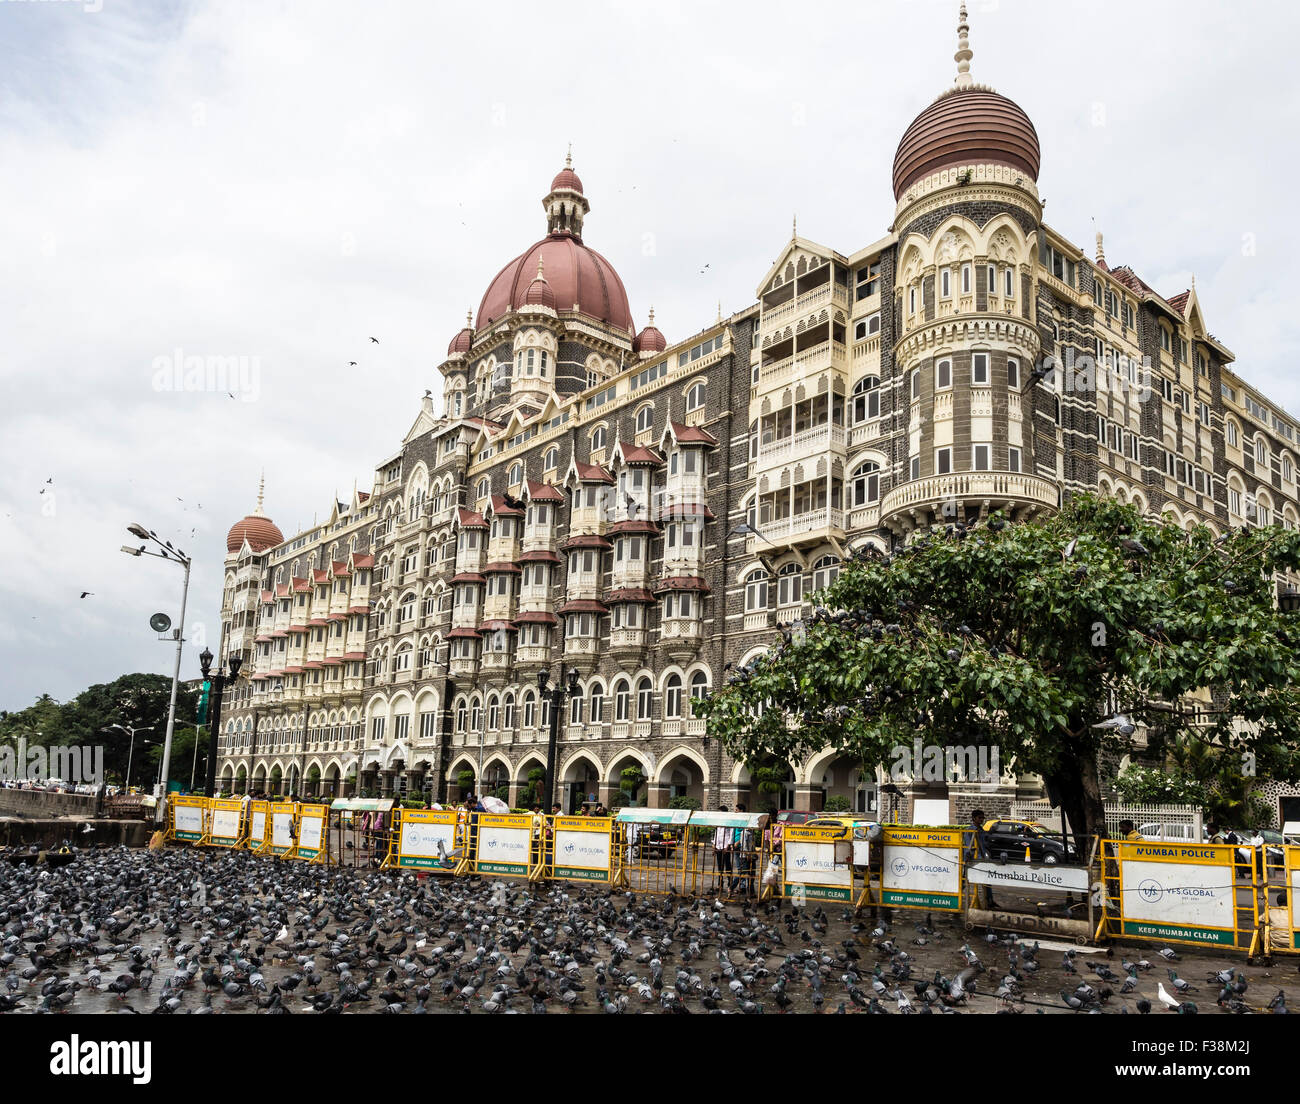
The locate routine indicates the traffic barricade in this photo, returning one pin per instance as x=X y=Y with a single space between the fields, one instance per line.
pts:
x=311 y=842
x=723 y=855
x=283 y=834
x=225 y=824
x=427 y=839
x=361 y=829
x=504 y=845
x=1043 y=897
x=921 y=868
x=1180 y=893
x=187 y=816
x=259 y=826
x=818 y=864
x=581 y=849
x=1279 y=914
x=648 y=849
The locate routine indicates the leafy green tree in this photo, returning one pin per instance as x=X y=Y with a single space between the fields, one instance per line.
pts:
x=1139 y=785
x=1048 y=640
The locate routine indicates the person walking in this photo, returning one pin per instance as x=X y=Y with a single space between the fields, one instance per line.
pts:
x=975 y=848
x=722 y=846
x=743 y=844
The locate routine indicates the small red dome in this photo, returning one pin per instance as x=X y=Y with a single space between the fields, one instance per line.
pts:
x=963 y=127
x=566 y=180
x=650 y=340
x=461 y=342
x=260 y=531
x=539 y=294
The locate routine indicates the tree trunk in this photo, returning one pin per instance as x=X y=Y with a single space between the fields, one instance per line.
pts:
x=1078 y=788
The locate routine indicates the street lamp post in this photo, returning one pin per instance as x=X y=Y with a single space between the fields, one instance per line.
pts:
x=557 y=703
x=218 y=681
x=173 y=555
x=130 y=730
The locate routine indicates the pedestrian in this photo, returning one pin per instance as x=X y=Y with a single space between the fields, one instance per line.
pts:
x=1216 y=835
x=722 y=846
x=538 y=826
x=975 y=848
x=1128 y=831
x=744 y=856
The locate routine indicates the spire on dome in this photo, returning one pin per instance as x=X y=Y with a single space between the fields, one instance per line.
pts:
x=568 y=157
x=964 y=52
x=261 y=494
x=652 y=313
x=1101 y=250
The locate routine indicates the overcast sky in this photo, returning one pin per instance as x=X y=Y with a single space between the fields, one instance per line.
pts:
x=279 y=182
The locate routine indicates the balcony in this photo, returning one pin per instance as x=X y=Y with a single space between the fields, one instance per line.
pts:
x=626 y=640
x=533 y=655
x=540 y=538
x=463 y=667
x=865 y=432
x=812 y=525
x=914 y=503
x=806 y=443
x=628 y=573
x=497 y=663
x=801 y=366
x=582 y=647
x=582 y=584
x=587 y=519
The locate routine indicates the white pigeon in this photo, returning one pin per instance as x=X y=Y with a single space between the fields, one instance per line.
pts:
x=1165 y=998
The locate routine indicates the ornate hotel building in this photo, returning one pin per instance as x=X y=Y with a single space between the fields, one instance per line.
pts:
x=596 y=497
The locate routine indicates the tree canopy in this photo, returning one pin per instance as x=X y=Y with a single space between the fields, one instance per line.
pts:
x=136 y=700
x=1052 y=641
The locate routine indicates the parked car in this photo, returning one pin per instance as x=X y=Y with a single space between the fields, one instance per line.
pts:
x=794 y=816
x=1274 y=844
x=1006 y=840
x=657 y=842
x=1173 y=833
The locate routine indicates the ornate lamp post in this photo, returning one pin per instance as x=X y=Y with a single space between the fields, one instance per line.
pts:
x=216 y=684
x=557 y=704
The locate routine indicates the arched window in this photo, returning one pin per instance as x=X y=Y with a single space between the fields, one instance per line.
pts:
x=645 y=695
x=756 y=591
x=551 y=459
x=825 y=571
x=516 y=474
x=575 y=709
x=695 y=396
x=699 y=687
x=475 y=715
x=866 y=399
x=942 y=374
x=530 y=709
x=494 y=713
x=484 y=488
x=866 y=483
x=622 y=700
x=916 y=384
x=645 y=418
x=1288 y=472
x=461 y=716
x=1230 y=433
x=789 y=585
x=509 y=711
x=598 y=438
x=596 y=713
x=1261 y=450
x=673 y=697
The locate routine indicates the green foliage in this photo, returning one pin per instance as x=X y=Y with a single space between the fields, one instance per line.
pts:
x=685 y=802
x=630 y=782
x=139 y=701
x=1024 y=637
x=465 y=780
x=1139 y=785
x=837 y=803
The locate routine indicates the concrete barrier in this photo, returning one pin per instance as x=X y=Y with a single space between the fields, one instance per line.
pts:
x=45 y=803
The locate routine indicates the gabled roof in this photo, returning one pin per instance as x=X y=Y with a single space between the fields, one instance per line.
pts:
x=795 y=245
x=592 y=473
x=470 y=519
x=639 y=454
x=543 y=492
x=691 y=435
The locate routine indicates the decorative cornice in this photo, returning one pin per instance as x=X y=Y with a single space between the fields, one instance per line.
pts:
x=986 y=181
x=1015 y=333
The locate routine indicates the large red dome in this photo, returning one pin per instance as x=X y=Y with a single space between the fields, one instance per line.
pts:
x=967 y=126
x=261 y=531
x=578 y=276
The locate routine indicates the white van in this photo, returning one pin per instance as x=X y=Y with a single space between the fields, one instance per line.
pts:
x=1174 y=833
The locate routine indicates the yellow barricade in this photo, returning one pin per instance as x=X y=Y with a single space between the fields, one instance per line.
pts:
x=921 y=868
x=187 y=818
x=581 y=848
x=225 y=823
x=1181 y=893
x=649 y=850
x=312 y=843
x=503 y=845
x=283 y=816
x=259 y=825
x=426 y=839
x=817 y=864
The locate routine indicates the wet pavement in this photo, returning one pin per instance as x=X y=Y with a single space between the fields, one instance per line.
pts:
x=186 y=931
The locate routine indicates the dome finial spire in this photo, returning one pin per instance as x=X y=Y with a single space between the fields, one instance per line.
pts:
x=261 y=492
x=469 y=319
x=1101 y=250
x=964 y=52
x=568 y=157
x=794 y=225
x=652 y=316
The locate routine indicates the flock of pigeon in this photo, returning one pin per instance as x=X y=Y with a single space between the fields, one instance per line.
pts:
x=187 y=931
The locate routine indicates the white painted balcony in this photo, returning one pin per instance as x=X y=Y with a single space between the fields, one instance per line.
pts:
x=810 y=525
x=625 y=639
x=864 y=433
x=999 y=489
x=814 y=442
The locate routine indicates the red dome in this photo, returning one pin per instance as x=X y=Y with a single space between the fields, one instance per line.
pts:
x=575 y=274
x=539 y=294
x=260 y=531
x=964 y=127
x=566 y=179
x=650 y=340
x=461 y=342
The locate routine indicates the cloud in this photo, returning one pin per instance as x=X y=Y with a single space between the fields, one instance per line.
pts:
x=277 y=183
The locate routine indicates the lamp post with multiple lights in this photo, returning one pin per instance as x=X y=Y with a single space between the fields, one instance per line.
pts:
x=165 y=551
x=218 y=681
x=130 y=730
x=557 y=704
